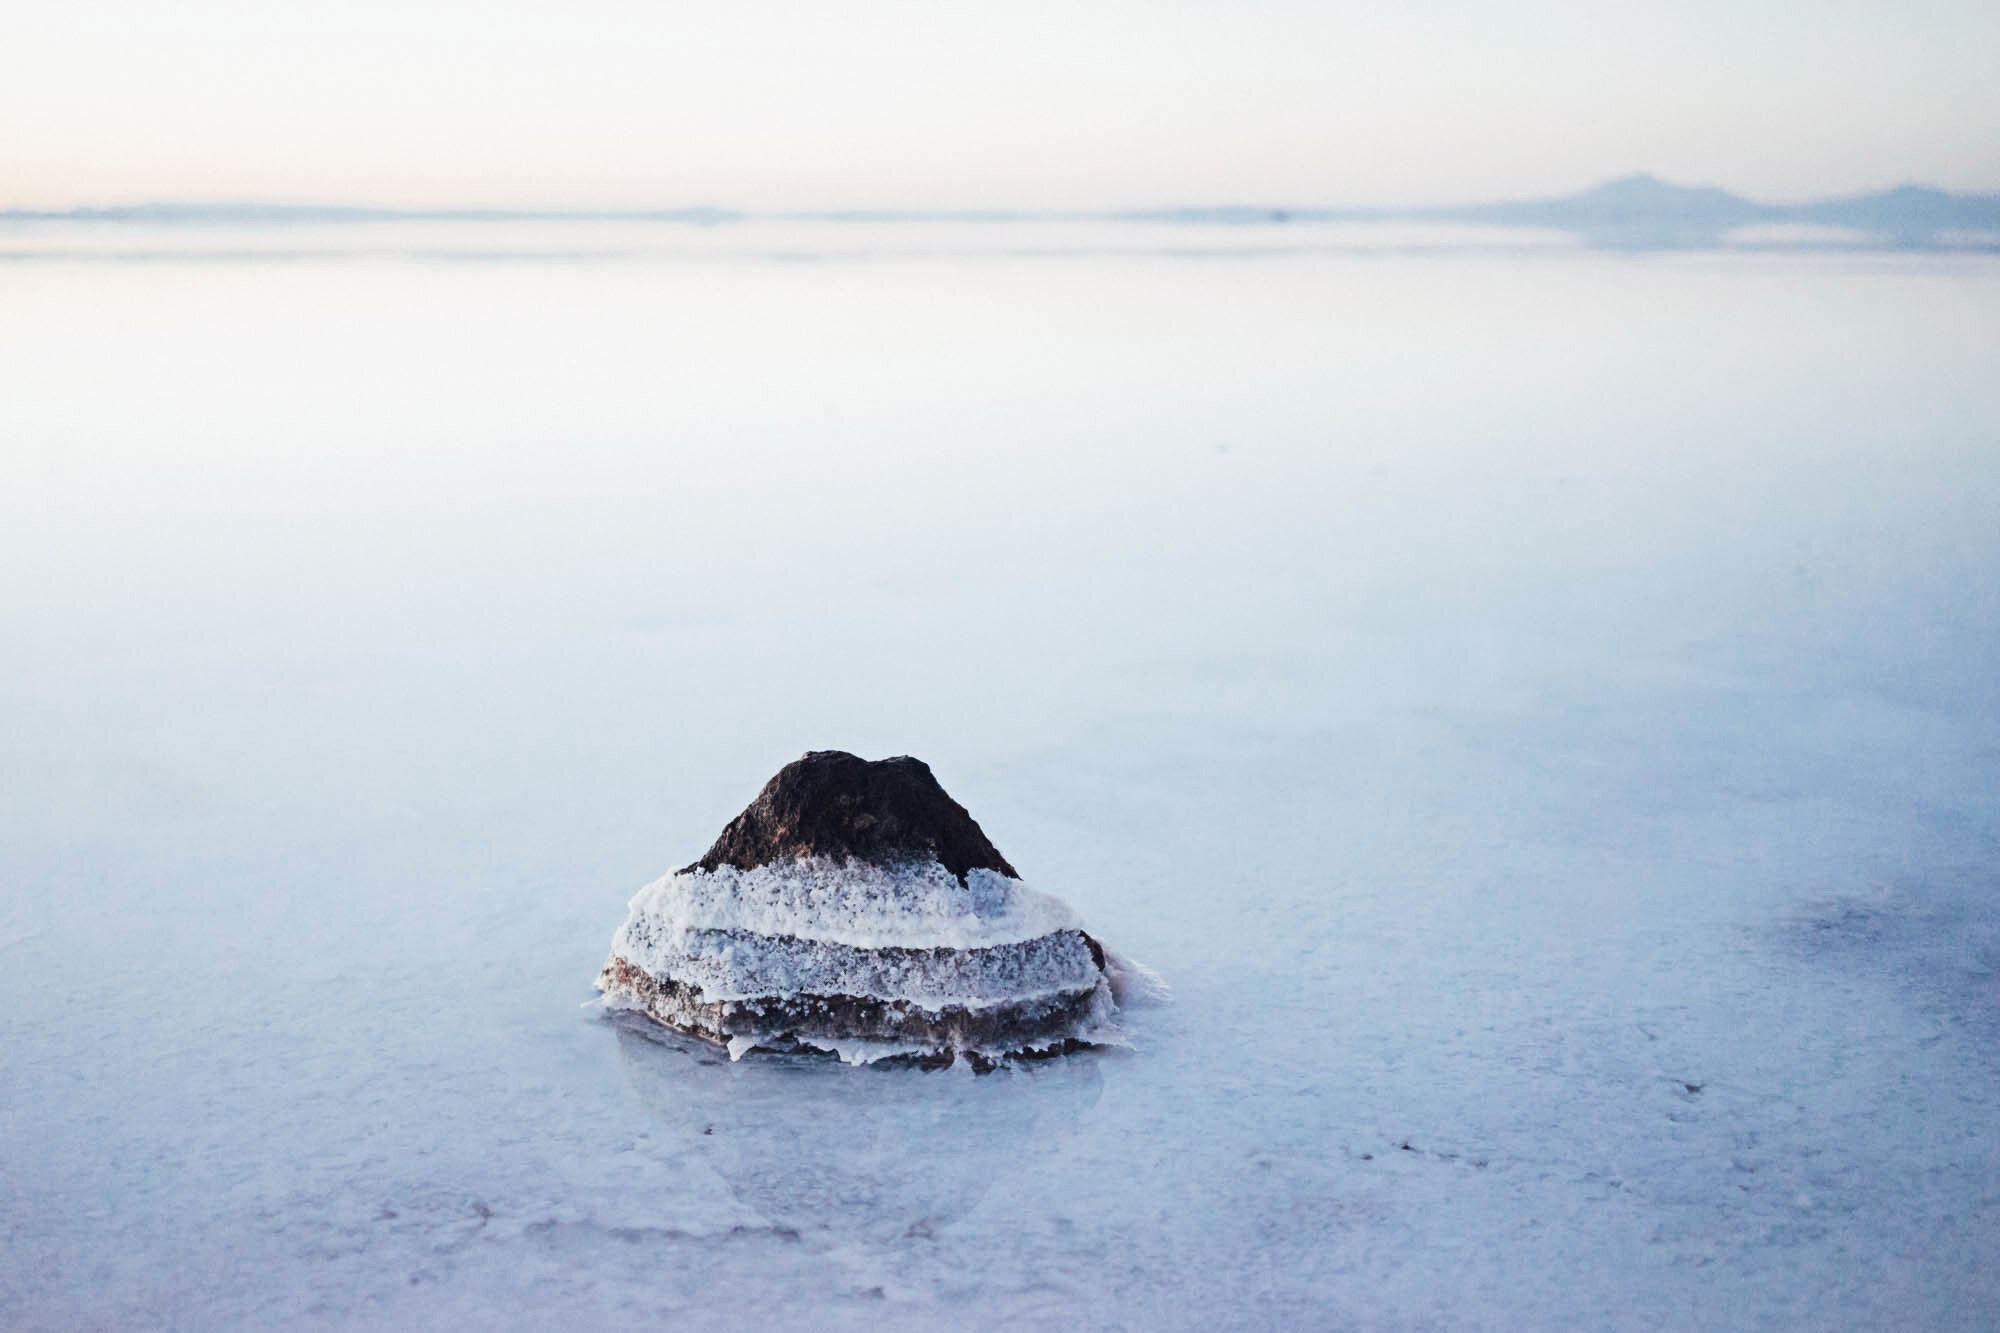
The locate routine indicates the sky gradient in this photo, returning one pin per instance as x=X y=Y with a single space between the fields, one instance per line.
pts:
x=608 y=103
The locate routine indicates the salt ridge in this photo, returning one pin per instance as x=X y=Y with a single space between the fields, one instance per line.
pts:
x=737 y=965
x=914 y=905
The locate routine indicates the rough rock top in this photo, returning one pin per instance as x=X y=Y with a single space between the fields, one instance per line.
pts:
x=833 y=804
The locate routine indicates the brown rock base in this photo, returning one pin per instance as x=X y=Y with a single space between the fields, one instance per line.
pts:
x=1030 y=1029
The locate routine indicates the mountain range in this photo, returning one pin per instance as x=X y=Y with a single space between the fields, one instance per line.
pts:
x=1645 y=212
x=1634 y=212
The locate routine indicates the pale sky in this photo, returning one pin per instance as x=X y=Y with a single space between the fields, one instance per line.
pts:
x=619 y=103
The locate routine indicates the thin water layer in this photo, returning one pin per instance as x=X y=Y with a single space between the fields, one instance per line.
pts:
x=1539 y=713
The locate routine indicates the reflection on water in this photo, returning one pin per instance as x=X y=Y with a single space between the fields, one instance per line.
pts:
x=1440 y=667
x=879 y=1151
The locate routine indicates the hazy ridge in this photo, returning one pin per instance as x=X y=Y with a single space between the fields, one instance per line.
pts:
x=1634 y=212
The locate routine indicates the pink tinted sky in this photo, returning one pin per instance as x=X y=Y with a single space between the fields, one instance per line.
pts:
x=594 y=103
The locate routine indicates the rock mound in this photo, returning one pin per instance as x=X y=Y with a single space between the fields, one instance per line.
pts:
x=855 y=908
x=833 y=804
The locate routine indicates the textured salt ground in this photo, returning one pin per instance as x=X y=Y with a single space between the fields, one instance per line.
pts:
x=1504 y=1091
x=1577 y=684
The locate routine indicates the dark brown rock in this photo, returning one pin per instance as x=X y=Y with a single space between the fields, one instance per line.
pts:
x=833 y=804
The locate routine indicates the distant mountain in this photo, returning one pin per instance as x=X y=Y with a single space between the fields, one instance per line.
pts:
x=1633 y=201
x=1645 y=212
x=1912 y=214
x=1635 y=213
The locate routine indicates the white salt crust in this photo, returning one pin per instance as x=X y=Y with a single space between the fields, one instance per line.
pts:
x=910 y=933
x=1133 y=984
x=736 y=965
x=917 y=905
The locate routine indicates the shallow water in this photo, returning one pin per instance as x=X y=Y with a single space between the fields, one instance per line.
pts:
x=1541 y=713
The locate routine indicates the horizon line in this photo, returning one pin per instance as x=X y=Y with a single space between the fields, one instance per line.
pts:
x=247 y=208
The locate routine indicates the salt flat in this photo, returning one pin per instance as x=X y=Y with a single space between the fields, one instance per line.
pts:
x=1540 y=713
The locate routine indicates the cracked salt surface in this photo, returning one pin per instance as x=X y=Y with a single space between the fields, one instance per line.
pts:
x=1556 y=775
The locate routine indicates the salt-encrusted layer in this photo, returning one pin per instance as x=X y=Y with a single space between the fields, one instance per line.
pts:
x=1132 y=982
x=915 y=905
x=862 y=1029
x=738 y=965
x=866 y=960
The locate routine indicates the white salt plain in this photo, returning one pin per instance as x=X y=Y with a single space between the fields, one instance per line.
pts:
x=1540 y=712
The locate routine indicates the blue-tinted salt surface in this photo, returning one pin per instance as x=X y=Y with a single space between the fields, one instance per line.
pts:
x=1541 y=713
